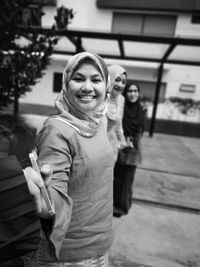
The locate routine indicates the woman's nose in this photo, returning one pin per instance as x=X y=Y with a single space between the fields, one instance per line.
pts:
x=87 y=86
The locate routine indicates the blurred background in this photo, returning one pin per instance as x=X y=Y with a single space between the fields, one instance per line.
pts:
x=158 y=42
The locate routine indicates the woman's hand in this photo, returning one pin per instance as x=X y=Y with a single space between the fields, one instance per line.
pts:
x=46 y=173
x=129 y=142
x=35 y=182
x=122 y=145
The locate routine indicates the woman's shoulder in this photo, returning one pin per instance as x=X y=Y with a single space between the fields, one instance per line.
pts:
x=121 y=98
x=121 y=101
x=58 y=124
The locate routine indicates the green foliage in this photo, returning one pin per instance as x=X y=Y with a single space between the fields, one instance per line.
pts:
x=63 y=17
x=185 y=104
x=21 y=65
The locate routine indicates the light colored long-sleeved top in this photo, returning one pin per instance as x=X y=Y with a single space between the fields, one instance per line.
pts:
x=81 y=191
x=114 y=125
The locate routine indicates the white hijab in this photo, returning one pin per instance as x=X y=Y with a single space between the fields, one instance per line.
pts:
x=85 y=124
x=114 y=110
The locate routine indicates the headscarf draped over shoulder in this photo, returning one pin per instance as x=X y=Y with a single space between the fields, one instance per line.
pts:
x=114 y=106
x=85 y=124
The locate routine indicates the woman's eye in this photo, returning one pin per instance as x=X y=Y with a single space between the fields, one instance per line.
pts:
x=97 y=80
x=77 y=79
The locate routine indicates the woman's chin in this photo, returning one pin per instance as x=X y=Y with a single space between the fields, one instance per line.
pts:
x=87 y=107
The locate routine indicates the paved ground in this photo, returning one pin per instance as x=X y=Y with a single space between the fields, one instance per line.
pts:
x=163 y=226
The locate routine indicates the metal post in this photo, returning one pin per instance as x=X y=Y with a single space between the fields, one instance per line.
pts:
x=156 y=98
x=79 y=45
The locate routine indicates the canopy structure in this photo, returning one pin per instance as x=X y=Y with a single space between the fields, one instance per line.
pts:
x=162 y=50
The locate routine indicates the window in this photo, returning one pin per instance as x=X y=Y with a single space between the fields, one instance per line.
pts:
x=45 y=2
x=32 y=16
x=57 y=82
x=50 y=2
x=145 y=24
x=195 y=19
x=187 y=88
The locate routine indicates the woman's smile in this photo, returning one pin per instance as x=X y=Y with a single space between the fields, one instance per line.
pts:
x=86 y=98
x=118 y=89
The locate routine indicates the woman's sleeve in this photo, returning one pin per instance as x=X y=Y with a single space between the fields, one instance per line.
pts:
x=54 y=149
x=120 y=133
x=119 y=129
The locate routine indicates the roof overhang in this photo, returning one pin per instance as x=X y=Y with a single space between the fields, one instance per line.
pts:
x=129 y=47
x=184 y=6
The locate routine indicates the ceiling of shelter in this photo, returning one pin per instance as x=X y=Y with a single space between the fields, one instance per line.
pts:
x=172 y=50
x=135 y=47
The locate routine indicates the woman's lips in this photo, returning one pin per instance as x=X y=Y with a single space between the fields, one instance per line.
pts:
x=117 y=89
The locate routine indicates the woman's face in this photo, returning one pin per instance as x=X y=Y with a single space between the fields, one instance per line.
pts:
x=119 y=84
x=132 y=93
x=86 y=89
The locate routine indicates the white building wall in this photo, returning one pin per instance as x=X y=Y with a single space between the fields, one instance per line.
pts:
x=183 y=75
x=180 y=74
x=87 y=15
x=42 y=92
x=48 y=18
x=185 y=28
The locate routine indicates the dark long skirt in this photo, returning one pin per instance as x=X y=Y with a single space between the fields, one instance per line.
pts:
x=123 y=188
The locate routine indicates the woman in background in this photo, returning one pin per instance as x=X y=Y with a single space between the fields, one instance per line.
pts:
x=133 y=127
x=116 y=108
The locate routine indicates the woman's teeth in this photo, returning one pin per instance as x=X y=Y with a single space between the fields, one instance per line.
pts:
x=86 y=97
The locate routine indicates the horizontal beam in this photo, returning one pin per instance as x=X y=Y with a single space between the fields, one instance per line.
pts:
x=186 y=6
x=74 y=36
x=113 y=36
x=156 y=60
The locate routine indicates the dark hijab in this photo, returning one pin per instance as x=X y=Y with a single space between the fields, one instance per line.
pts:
x=133 y=120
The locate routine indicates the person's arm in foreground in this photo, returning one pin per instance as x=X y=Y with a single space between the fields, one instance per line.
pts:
x=54 y=149
x=35 y=183
x=20 y=235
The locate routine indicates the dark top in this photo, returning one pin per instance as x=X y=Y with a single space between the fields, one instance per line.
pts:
x=19 y=224
x=133 y=121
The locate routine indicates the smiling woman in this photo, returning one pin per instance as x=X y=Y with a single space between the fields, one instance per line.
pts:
x=116 y=108
x=75 y=144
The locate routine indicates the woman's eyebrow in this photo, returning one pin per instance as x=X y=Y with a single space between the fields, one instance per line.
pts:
x=97 y=74
x=77 y=73
x=92 y=75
